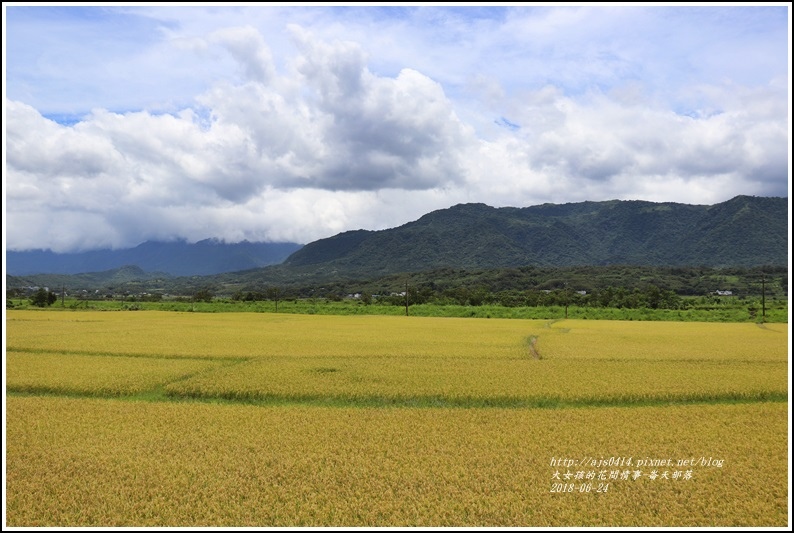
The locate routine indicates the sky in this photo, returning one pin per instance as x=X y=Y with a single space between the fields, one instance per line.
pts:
x=126 y=123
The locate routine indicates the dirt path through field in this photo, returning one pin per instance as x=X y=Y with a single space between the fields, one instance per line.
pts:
x=532 y=343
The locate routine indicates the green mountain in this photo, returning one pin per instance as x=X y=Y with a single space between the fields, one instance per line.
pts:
x=587 y=245
x=745 y=231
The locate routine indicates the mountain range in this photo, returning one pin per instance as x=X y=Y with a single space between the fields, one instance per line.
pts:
x=179 y=258
x=745 y=231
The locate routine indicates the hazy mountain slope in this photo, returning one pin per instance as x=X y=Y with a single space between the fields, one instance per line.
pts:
x=176 y=258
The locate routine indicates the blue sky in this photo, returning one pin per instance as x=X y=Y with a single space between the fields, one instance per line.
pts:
x=128 y=122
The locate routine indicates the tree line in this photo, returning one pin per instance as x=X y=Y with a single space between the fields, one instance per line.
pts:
x=607 y=286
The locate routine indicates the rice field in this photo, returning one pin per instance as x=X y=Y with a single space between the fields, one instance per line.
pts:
x=186 y=419
x=251 y=335
x=499 y=382
x=95 y=376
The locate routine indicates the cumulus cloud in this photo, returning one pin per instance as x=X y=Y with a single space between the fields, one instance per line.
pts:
x=248 y=47
x=380 y=132
x=304 y=145
x=601 y=147
x=351 y=131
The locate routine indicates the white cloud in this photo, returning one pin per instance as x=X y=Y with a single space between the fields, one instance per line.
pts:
x=250 y=50
x=288 y=130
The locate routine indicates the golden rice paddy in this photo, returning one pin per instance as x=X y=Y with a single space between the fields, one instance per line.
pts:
x=95 y=376
x=185 y=419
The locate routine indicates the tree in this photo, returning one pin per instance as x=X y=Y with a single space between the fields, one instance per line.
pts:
x=204 y=295
x=653 y=296
x=43 y=298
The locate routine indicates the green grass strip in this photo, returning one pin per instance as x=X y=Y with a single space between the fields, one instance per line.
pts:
x=159 y=395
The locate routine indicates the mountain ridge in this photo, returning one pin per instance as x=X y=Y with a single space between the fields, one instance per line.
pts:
x=176 y=258
x=744 y=231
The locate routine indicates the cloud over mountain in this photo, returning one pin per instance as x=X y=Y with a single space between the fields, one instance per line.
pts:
x=301 y=128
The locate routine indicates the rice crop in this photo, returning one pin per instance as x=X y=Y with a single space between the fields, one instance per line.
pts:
x=95 y=376
x=486 y=381
x=92 y=462
x=183 y=419
x=675 y=341
x=249 y=335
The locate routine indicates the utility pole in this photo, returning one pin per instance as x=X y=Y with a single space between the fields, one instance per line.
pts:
x=406 y=297
x=763 y=298
x=566 y=295
x=63 y=294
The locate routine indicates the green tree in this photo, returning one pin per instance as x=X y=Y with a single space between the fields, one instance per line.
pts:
x=653 y=296
x=204 y=295
x=43 y=298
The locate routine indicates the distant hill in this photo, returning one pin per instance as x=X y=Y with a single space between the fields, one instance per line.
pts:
x=178 y=258
x=743 y=232
x=128 y=277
